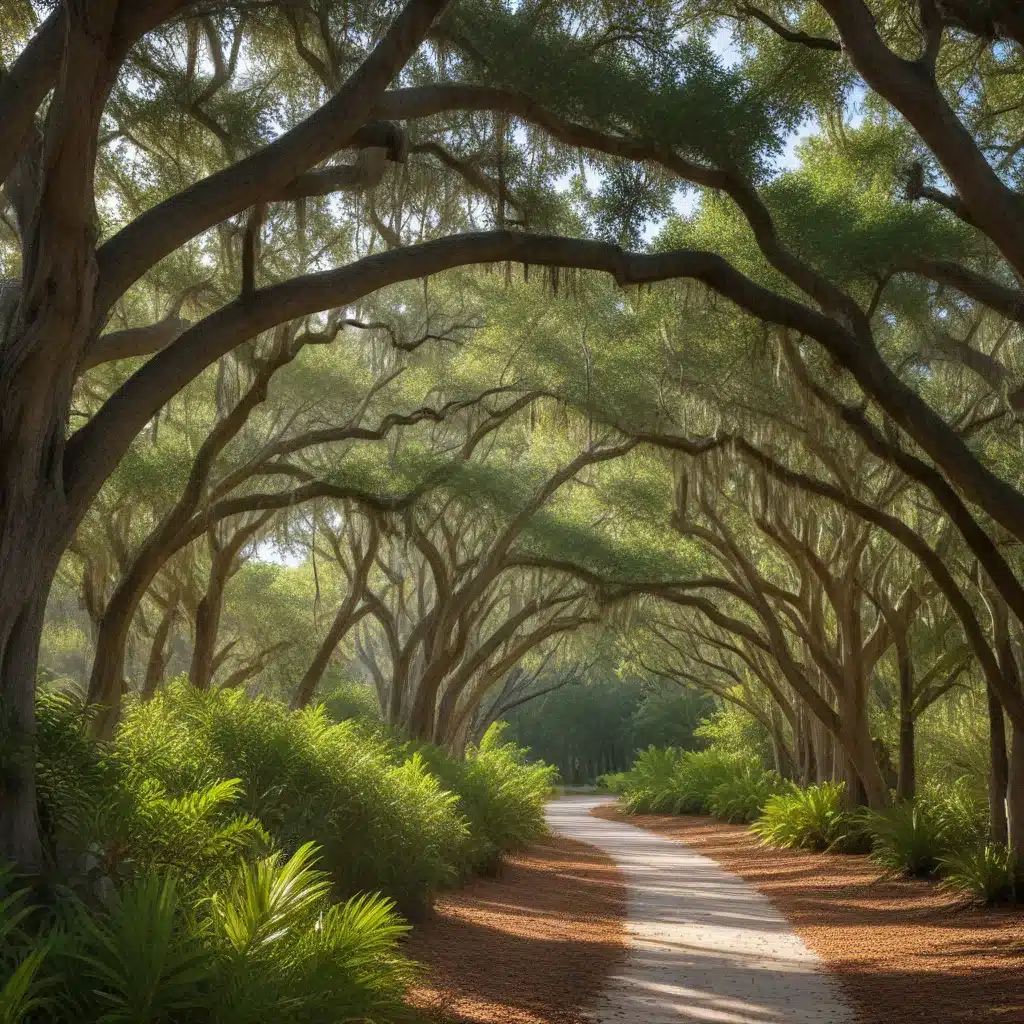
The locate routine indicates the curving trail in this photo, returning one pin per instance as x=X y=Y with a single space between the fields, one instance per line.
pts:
x=704 y=946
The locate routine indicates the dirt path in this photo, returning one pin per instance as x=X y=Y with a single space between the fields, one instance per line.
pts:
x=528 y=947
x=904 y=951
x=704 y=945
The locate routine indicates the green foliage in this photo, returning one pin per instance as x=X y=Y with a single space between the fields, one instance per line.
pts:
x=205 y=900
x=72 y=776
x=686 y=782
x=952 y=742
x=988 y=871
x=282 y=952
x=385 y=823
x=199 y=834
x=203 y=782
x=267 y=944
x=500 y=792
x=596 y=726
x=732 y=728
x=141 y=964
x=741 y=798
x=24 y=980
x=907 y=839
x=808 y=819
x=918 y=836
x=347 y=700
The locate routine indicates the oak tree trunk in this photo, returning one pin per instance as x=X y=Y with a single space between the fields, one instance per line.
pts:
x=158 y=653
x=998 y=773
x=208 y=615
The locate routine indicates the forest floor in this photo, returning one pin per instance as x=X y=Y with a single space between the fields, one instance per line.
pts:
x=903 y=950
x=530 y=946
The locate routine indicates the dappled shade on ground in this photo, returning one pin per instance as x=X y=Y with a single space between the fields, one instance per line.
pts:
x=904 y=950
x=528 y=947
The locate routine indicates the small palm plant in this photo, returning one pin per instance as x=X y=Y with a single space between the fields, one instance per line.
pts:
x=24 y=979
x=908 y=839
x=991 y=872
x=813 y=819
x=284 y=954
x=144 y=963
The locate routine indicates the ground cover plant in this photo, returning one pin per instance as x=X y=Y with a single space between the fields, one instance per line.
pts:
x=944 y=831
x=209 y=863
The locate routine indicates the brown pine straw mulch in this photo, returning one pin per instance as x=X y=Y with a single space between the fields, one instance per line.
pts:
x=530 y=946
x=905 y=951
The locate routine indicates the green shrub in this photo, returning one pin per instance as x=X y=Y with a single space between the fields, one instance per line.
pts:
x=809 y=819
x=348 y=699
x=988 y=871
x=200 y=835
x=700 y=773
x=501 y=794
x=742 y=798
x=73 y=779
x=649 y=786
x=614 y=782
x=137 y=961
x=25 y=976
x=907 y=839
x=962 y=807
x=267 y=944
x=281 y=952
x=384 y=821
x=915 y=836
x=682 y=782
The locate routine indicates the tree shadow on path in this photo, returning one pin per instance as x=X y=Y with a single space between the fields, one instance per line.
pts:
x=904 y=951
x=531 y=946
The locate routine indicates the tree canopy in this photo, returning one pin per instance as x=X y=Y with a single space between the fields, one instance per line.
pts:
x=450 y=348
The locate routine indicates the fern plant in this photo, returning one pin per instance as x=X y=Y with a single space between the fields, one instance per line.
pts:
x=907 y=839
x=812 y=818
x=200 y=835
x=741 y=799
x=990 y=872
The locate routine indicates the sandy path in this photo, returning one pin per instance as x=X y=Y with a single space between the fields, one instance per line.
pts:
x=703 y=944
x=905 y=950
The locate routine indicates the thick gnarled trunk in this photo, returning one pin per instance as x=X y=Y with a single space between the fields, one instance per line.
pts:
x=21 y=627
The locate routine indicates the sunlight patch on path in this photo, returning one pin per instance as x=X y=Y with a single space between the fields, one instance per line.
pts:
x=704 y=946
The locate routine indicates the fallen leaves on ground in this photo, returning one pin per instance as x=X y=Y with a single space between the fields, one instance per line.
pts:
x=530 y=946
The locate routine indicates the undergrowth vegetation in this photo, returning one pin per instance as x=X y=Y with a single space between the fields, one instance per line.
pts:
x=227 y=859
x=942 y=832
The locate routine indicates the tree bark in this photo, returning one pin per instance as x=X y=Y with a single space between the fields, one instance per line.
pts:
x=21 y=634
x=1015 y=761
x=208 y=615
x=998 y=773
x=1015 y=793
x=156 y=666
x=906 y=784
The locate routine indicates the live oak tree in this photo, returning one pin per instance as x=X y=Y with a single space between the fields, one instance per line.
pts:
x=140 y=150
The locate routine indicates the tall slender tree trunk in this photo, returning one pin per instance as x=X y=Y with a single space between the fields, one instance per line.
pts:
x=998 y=773
x=906 y=784
x=346 y=617
x=157 y=664
x=1015 y=761
x=208 y=616
x=1015 y=792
